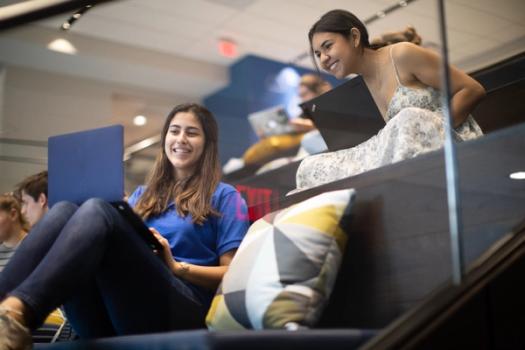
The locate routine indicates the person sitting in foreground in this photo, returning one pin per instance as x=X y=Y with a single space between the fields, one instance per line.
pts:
x=90 y=258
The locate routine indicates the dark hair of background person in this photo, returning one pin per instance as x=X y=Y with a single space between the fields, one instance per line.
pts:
x=192 y=195
x=409 y=34
x=8 y=203
x=315 y=83
x=33 y=185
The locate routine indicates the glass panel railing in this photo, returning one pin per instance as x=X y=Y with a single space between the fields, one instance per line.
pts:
x=484 y=170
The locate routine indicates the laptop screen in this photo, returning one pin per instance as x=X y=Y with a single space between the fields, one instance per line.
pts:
x=346 y=115
x=269 y=122
x=85 y=165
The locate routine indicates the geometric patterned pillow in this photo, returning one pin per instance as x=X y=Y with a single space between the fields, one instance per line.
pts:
x=285 y=268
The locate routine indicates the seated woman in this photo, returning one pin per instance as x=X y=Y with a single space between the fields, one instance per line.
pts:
x=404 y=80
x=90 y=259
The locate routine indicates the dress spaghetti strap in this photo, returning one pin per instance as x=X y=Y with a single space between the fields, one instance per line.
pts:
x=395 y=68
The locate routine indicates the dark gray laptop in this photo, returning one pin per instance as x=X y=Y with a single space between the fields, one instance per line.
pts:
x=346 y=115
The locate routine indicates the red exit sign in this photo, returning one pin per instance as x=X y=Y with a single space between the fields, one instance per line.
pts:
x=260 y=201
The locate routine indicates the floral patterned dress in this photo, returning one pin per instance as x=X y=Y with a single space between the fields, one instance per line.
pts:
x=414 y=125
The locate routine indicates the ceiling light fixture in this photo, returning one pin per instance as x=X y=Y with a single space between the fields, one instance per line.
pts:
x=518 y=175
x=63 y=46
x=140 y=120
x=383 y=13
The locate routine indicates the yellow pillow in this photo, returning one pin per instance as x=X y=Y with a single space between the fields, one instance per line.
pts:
x=269 y=146
x=285 y=267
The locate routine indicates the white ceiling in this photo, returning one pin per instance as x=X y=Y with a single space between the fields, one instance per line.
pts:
x=277 y=29
x=171 y=46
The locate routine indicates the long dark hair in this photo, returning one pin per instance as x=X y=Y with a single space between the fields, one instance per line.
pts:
x=192 y=195
x=340 y=22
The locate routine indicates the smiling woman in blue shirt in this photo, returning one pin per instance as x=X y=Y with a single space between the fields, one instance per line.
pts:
x=89 y=259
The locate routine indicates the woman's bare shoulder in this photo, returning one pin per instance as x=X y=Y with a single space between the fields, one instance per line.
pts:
x=411 y=57
x=402 y=52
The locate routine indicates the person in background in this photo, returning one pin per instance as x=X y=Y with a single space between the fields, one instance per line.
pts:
x=306 y=136
x=409 y=34
x=310 y=86
x=404 y=81
x=13 y=228
x=90 y=258
x=32 y=192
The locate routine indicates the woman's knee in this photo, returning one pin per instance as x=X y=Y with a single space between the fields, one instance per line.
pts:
x=64 y=206
x=93 y=208
x=95 y=211
x=59 y=212
x=97 y=207
x=416 y=122
x=412 y=115
x=94 y=205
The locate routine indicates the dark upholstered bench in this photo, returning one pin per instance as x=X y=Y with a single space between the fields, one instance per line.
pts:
x=202 y=339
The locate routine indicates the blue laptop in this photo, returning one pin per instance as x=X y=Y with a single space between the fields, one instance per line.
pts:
x=86 y=164
x=89 y=164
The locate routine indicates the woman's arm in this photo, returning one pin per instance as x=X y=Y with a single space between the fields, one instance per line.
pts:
x=203 y=276
x=423 y=65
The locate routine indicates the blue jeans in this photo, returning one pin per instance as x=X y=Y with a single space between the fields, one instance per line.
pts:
x=92 y=261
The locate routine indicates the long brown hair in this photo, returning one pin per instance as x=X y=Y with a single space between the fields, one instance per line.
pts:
x=192 y=195
x=8 y=203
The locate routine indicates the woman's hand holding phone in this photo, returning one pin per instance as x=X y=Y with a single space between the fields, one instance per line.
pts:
x=165 y=254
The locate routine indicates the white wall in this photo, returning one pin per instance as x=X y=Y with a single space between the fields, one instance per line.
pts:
x=38 y=104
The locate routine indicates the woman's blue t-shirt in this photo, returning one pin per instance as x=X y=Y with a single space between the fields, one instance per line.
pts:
x=202 y=244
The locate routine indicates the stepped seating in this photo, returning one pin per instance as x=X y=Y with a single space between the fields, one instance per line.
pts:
x=398 y=251
x=486 y=311
x=399 y=233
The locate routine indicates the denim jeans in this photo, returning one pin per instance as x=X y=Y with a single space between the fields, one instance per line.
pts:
x=92 y=261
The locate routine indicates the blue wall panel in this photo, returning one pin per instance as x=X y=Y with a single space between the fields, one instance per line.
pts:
x=256 y=83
